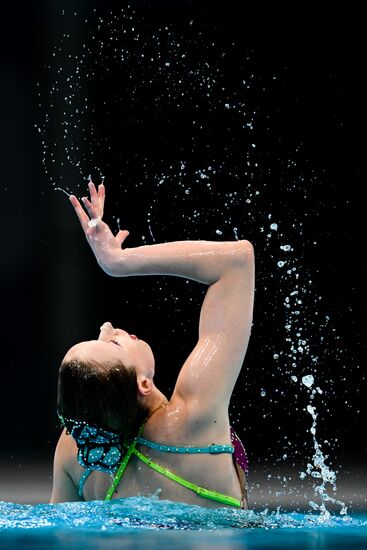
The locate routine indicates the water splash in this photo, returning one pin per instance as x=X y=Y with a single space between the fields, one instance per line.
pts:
x=301 y=334
x=318 y=469
x=159 y=58
x=153 y=514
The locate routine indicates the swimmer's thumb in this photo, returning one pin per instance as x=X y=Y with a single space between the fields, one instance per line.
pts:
x=121 y=236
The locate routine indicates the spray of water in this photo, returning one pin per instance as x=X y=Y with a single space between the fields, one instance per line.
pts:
x=318 y=469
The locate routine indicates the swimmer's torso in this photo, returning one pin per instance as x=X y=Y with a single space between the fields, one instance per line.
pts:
x=171 y=425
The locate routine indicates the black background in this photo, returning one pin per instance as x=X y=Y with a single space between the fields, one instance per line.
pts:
x=308 y=132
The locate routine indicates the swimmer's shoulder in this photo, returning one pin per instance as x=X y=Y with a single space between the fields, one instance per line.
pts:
x=66 y=448
x=66 y=470
x=182 y=419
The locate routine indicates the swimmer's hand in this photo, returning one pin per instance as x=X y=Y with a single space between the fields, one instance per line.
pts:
x=105 y=245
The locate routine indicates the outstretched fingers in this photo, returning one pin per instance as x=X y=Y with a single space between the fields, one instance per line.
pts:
x=97 y=197
x=91 y=209
x=82 y=216
x=101 y=197
x=93 y=193
x=90 y=216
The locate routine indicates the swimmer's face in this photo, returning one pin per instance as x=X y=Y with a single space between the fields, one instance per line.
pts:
x=114 y=345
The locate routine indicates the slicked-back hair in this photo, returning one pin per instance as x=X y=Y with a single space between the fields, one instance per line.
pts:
x=105 y=395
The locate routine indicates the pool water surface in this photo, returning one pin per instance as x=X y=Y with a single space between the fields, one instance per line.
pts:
x=151 y=523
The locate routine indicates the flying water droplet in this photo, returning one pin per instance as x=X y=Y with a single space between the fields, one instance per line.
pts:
x=308 y=380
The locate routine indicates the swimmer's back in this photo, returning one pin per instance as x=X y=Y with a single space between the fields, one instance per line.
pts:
x=171 y=425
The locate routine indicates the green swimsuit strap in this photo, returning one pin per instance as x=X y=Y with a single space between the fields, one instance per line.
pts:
x=122 y=467
x=202 y=491
x=124 y=463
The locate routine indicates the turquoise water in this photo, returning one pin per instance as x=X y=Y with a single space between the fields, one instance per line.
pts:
x=152 y=523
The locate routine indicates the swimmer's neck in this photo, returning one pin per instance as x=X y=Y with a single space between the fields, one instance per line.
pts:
x=155 y=400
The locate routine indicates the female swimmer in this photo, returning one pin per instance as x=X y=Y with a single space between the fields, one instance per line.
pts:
x=122 y=437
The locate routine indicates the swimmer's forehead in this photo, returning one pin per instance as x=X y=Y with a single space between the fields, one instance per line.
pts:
x=131 y=352
x=87 y=350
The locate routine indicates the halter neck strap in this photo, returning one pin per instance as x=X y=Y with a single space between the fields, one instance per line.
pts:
x=122 y=467
x=129 y=452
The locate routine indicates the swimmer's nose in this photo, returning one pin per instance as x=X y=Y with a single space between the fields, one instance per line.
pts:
x=107 y=324
x=106 y=331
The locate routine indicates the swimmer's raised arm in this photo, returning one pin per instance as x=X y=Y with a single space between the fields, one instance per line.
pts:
x=208 y=376
x=203 y=261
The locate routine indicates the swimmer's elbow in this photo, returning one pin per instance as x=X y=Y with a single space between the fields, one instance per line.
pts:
x=246 y=257
x=247 y=247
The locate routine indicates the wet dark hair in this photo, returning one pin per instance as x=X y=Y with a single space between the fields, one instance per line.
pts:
x=103 y=395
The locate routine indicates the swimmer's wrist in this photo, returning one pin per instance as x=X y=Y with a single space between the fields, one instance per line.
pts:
x=114 y=264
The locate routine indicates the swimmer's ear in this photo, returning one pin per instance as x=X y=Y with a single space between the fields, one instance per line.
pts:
x=144 y=386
